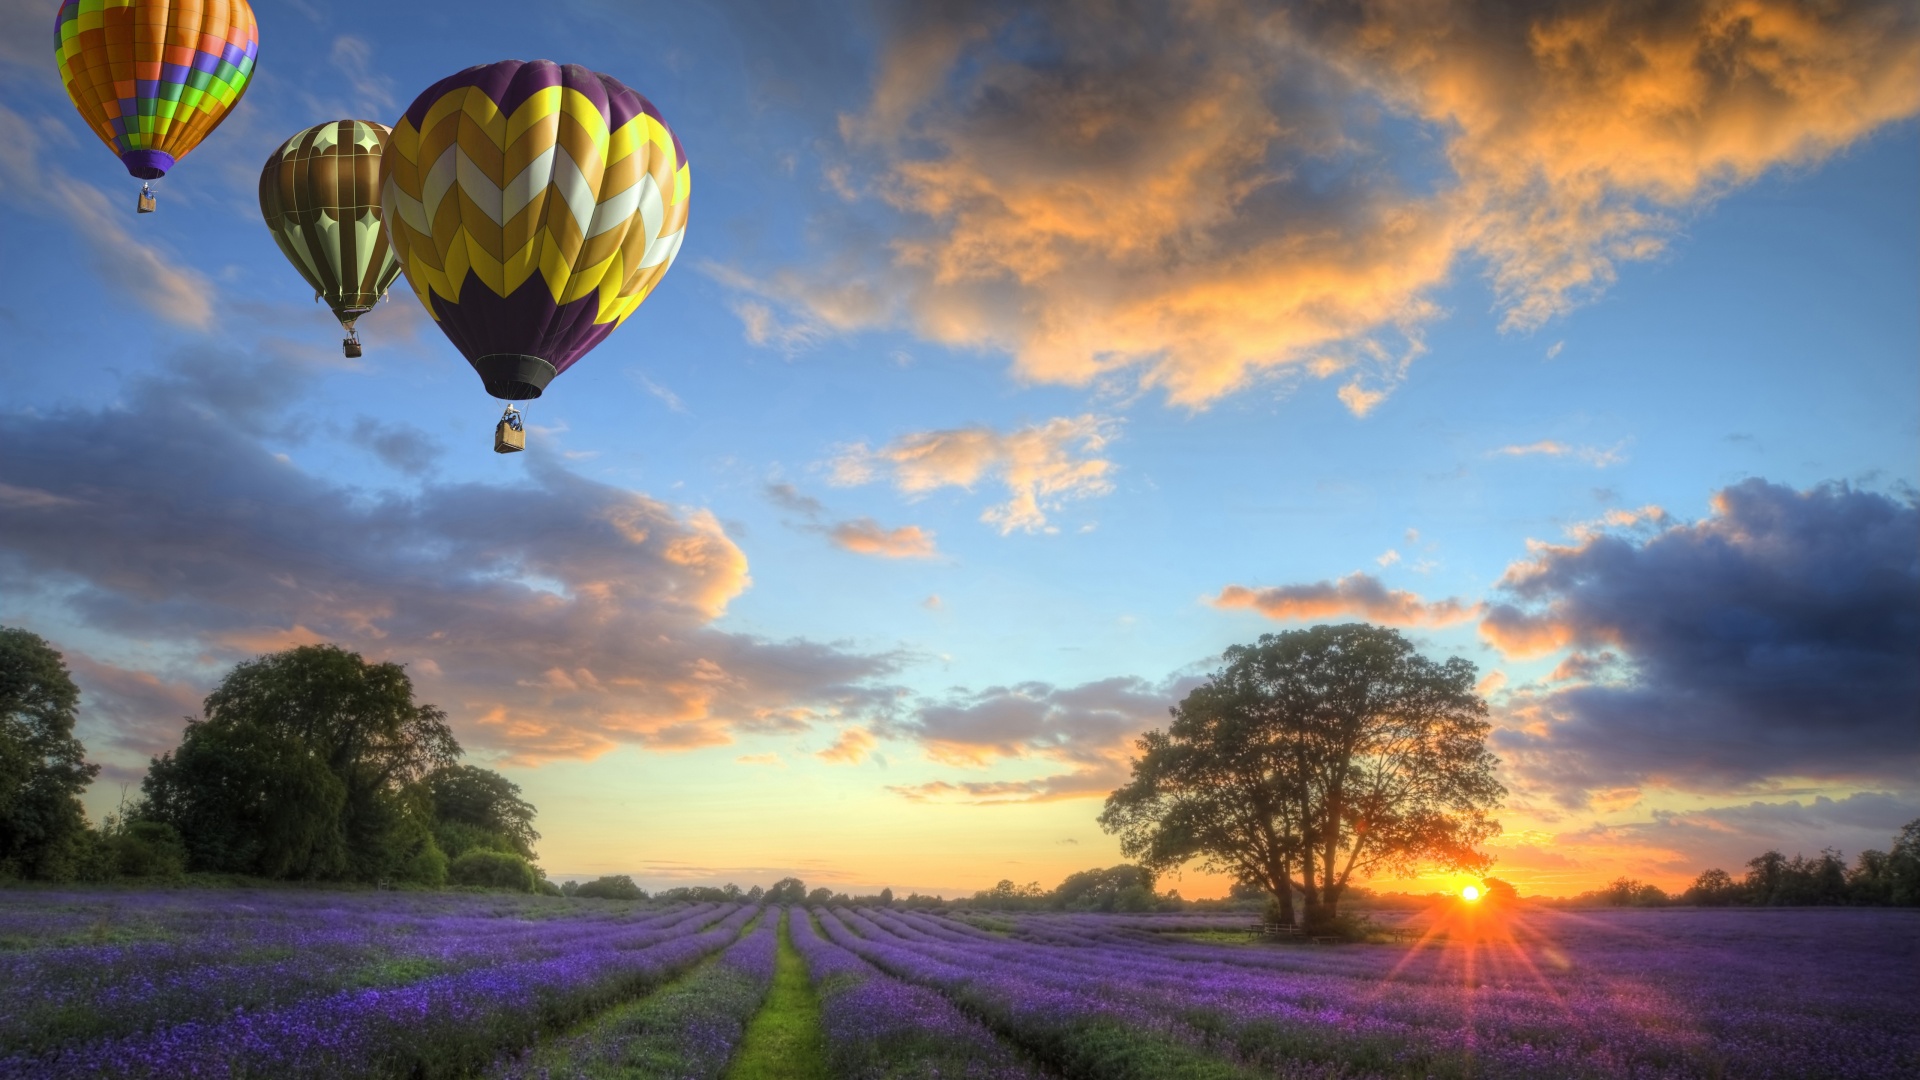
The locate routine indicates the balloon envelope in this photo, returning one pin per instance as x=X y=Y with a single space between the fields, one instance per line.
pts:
x=320 y=196
x=153 y=77
x=533 y=207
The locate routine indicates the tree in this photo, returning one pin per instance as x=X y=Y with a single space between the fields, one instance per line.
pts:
x=1330 y=753
x=475 y=807
x=1117 y=888
x=42 y=768
x=1903 y=866
x=493 y=870
x=308 y=764
x=789 y=890
x=1713 y=888
x=611 y=887
x=1766 y=874
x=1498 y=891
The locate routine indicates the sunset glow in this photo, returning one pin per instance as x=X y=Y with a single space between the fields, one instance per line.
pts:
x=1470 y=894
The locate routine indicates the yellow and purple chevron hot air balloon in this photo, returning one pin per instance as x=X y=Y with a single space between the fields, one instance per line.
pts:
x=533 y=206
x=153 y=77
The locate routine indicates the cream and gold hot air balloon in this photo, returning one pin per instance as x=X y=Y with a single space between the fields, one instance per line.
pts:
x=320 y=196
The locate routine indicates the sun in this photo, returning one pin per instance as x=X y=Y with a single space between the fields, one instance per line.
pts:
x=1470 y=894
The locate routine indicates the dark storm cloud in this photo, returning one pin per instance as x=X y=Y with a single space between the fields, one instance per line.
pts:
x=557 y=618
x=1779 y=637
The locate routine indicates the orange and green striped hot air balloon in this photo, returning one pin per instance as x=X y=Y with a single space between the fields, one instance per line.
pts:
x=153 y=77
x=533 y=207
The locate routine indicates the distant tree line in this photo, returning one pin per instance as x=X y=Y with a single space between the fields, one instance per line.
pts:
x=1115 y=888
x=310 y=764
x=1876 y=879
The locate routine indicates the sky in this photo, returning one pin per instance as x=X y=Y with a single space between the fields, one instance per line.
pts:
x=1020 y=359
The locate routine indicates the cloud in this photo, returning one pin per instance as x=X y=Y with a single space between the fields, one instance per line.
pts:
x=1774 y=639
x=560 y=618
x=1591 y=455
x=1090 y=728
x=667 y=397
x=373 y=92
x=1683 y=843
x=1358 y=593
x=789 y=498
x=402 y=447
x=143 y=272
x=864 y=536
x=1190 y=198
x=851 y=748
x=1040 y=466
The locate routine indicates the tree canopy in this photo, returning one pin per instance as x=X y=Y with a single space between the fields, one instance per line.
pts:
x=42 y=766
x=309 y=763
x=1310 y=758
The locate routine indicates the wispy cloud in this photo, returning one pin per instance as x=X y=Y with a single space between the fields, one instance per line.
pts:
x=1358 y=593
x=134 y=269
x=851 y=748
x=1040 y=466
x=1590 y=455
x=865 y=536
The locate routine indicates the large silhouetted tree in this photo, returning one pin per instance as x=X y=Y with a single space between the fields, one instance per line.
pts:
x=42 y=771
x=307 y=764
x=1311 y=757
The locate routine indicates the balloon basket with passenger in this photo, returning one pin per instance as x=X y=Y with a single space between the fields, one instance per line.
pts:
x=510 y=434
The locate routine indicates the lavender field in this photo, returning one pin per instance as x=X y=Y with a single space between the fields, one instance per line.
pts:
x=281 y=983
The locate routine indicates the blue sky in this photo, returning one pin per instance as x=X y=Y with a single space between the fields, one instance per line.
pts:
x=1004 y=345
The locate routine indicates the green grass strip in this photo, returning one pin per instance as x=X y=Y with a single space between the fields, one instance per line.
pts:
x=785 y=1042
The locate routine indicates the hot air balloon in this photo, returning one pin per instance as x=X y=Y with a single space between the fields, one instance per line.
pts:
x=153 y=77
x=533 y=207
x=320 y=196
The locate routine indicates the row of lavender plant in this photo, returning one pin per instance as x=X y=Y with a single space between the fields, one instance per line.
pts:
x=1067 y=1024
x=687 y=1031
x=444 y=1026
x=61 y=995
x=880 y=1028
x=1553 y=1000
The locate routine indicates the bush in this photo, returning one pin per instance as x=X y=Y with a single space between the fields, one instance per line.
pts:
x=147 y=849
x=612 y=887
x=492 y=870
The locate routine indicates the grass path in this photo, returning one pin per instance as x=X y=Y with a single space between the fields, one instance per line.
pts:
x=785 y=1042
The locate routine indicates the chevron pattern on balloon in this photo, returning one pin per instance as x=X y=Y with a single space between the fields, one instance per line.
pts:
x=574 y=179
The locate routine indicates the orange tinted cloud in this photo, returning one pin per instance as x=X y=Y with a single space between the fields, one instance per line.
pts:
x=851 y=748
x=865 y=536
x=1189 y=197
x=1040 y=466
x=1356 y=594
